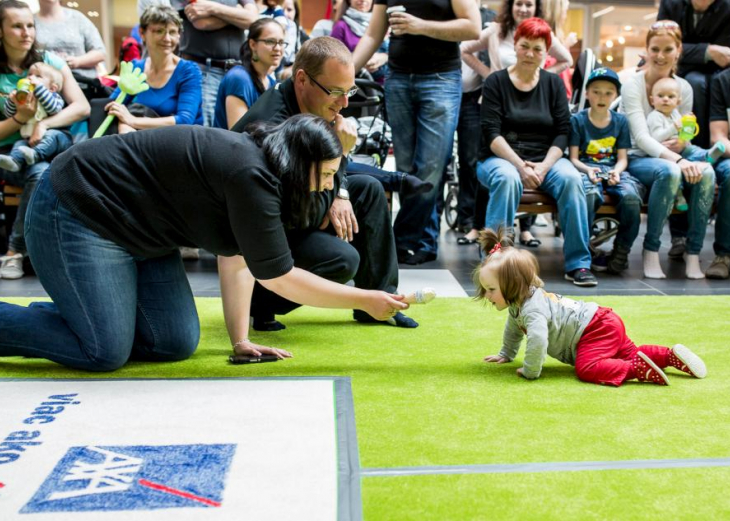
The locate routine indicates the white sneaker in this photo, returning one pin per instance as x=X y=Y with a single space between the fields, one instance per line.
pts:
x=11 y=266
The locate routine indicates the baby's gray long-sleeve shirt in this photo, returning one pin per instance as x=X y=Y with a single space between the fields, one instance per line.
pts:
x=553 y=325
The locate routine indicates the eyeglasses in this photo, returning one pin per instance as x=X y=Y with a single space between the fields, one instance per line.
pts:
x=274 y=43
x=334 y=93
x=664 y=24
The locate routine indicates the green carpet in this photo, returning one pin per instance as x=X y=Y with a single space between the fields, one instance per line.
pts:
x=424 y=397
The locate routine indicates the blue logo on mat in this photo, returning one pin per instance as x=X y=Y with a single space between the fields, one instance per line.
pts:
x=136 y=477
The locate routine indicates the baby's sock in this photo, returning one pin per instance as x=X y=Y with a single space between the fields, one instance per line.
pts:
x=30 y=155
x=652 y=268
x=9 y=164
x=692 y=267
x=715 y=153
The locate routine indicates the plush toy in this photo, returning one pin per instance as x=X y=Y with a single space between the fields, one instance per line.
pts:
x=132 y=82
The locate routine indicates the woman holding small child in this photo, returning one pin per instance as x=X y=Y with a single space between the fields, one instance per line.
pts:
x=662 y=165
x=37 y=117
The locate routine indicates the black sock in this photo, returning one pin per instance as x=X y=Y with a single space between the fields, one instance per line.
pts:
x=412 y=185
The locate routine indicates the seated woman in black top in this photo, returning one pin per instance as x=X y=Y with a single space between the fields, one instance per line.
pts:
x=105 y=222
x=525 y=127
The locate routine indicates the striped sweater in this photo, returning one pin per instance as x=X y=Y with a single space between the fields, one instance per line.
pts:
x=49 y=104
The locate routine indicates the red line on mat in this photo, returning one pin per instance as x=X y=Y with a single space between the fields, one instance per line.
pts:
x=177 y=492
x=2 y=485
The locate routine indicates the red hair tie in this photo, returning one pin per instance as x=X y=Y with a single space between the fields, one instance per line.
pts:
x=496 y=248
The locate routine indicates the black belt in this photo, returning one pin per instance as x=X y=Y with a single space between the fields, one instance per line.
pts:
x=220 y=64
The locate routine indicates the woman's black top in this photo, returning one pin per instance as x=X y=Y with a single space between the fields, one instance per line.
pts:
x=531 y=122
x=155 y=190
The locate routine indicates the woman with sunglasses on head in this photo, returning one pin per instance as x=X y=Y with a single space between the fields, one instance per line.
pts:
x=660 y=166
x=261 y=54
x=175 y=93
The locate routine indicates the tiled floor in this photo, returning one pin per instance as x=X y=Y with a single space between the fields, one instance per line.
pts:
x=459 y=261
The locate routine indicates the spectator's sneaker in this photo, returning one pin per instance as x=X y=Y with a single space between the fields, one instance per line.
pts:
x=30 y=155
x=686 y=361
x=599 y=263
x=720 y=268
x=679 y=246
x=582 y=277
x=9 y=164
x=648 y=371
x=618 y=261
x=11 y=266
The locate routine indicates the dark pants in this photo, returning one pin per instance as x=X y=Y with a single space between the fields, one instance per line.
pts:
x=391 y=181
x=469 y=133
x=700 y=82
x=369 y=260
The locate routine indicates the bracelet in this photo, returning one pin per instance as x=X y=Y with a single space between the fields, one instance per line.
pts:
x=21 y=123
x=678 y=160
x=240 y=342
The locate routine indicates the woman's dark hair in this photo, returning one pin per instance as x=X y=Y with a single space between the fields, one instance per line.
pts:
x=34 y=55
x=290 y=149
x=507 y=22
x=254 y=33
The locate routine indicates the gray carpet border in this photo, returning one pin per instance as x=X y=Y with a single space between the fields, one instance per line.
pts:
x=567 y=466
x=349 y=499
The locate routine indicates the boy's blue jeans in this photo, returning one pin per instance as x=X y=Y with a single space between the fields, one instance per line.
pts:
x=107 y=305
x=630 y=194
x=562 y=182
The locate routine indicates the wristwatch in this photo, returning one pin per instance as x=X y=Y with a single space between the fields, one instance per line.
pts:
x=342 y=193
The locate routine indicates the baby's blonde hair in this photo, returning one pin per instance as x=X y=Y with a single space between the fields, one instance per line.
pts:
x=52 y=74
x=668 y=82
x=517 y=270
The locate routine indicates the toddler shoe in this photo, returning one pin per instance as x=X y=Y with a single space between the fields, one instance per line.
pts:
x=648 y=371
x=686 y=361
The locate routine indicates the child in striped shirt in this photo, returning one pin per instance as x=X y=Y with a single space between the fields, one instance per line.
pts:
x=47 y=82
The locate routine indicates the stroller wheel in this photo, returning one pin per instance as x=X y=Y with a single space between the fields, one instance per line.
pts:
x=450 y=206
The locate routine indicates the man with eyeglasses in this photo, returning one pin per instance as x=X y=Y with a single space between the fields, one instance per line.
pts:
x=351 y=237
x=212 y=35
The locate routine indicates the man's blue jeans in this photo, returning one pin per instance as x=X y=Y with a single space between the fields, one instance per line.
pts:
x=107 y=305
x=630 y=194
x=423 y=110
x=562 y=182
x=26 y=178
x=662 y=178
x=722 y=222
x=212 y=77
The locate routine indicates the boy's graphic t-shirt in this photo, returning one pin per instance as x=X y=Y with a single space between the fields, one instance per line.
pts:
x=599 y=146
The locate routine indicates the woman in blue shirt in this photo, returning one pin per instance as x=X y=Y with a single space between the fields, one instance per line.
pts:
x=261 y=54
x=175 y=93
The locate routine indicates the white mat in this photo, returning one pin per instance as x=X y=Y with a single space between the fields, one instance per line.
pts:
x=442 y=281
x=170 y=449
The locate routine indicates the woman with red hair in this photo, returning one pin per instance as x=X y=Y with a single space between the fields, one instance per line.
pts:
x=525 y=124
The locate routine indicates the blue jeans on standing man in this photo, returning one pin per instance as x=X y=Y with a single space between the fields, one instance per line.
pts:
x=212 y=77
x=423 y=110
x=107 y=304
x=662 y=178
x=562 y=182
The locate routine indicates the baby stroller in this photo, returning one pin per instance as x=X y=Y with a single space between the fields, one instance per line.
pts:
x=367 y=109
